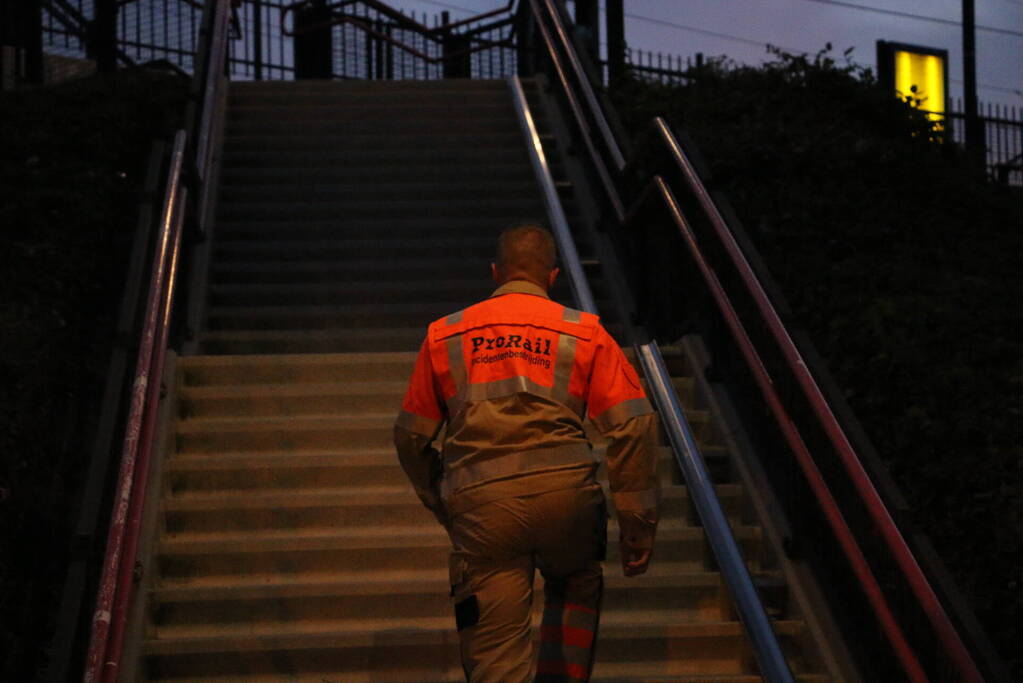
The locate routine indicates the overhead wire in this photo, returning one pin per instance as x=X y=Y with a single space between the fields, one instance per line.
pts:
x=910 y=15
x=705 y=32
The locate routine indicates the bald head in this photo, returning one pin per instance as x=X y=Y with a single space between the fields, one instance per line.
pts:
x=525 y=252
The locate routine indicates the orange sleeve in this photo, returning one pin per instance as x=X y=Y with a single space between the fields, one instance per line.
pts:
x=422 y=410
x=418 y=423
x=615 y=394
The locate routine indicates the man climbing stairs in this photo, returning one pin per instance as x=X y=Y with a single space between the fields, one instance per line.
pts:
x=287 y=544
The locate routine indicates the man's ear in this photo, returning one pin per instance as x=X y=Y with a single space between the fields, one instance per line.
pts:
x=551 y=278
x=494 y=274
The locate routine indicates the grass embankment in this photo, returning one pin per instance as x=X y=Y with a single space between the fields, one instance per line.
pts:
x=72 y=158
x=905 y=269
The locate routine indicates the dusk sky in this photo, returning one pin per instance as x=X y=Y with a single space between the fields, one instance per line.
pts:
x=741 y=28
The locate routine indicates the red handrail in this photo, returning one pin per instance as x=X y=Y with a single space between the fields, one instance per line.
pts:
x=921 y=588
x=897 y=545
x=903 y=650
x=103 y=655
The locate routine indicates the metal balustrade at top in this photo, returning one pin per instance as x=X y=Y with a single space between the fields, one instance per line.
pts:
x=272 y=40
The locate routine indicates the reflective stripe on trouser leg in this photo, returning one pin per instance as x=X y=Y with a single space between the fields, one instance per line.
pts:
x=569 y=628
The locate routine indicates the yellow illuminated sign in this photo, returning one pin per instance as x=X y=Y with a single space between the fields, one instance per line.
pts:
x=927 y=73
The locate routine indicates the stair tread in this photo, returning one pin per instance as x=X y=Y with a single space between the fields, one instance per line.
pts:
x=625 y=625
x=223 y=499
x=372 y=537
x=408 y=583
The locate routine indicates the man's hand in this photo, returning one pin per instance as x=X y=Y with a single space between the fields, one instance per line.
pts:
x=636 y=540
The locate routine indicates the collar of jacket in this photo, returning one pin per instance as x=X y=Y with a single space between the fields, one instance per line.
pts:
x=520 y=287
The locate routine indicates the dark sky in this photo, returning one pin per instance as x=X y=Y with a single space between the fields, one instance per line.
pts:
x=740 y=29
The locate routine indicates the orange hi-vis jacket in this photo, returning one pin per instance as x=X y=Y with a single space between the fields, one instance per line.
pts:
x=514 y=377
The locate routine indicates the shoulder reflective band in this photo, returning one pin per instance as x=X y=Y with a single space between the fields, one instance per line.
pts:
x=456 y=364
x=515 y=463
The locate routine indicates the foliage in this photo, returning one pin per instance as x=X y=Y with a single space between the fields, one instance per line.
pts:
x=904 y=266
x=70 y=174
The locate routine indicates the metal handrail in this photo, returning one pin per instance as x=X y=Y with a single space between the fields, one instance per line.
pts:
x=719 y=533
x=119 y=565
x=584 y=128
x=210 y=70
x=555 y=213
x=893 y=538
x=907 y=563
x=108 y=623
x=722 y=541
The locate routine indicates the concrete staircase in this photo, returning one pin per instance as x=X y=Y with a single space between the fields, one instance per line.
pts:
x=288 y=543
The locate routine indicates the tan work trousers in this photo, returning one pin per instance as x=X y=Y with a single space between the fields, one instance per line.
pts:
x=497 y=546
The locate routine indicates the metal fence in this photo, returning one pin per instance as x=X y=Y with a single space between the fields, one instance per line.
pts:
x=368 y=42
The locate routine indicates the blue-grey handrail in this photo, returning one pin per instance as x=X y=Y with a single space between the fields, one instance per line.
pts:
x=555 y=213
x=211 y=71
x=750 y=609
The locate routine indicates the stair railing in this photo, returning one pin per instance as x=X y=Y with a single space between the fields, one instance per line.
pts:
x=726 y=550
x=119 y=565
x=121 y=570
x=473 y=35
x=609 y=165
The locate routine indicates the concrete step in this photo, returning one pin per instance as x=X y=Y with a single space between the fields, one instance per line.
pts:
x=509 y=210
x=631 y=648
x=355 y=173
x=346 y=121
x=329 y=158
x=461 y=290
x=333 y=395
x=312 y=368
x=309 y=341
x=479 y=249
x=353 y=549
x=286 y=100
x=319 y=605
x=315 y=146
x=334 y=501
x=343 y=227
x=260 y=433
x=341 y=466
x=415 y=315
x=284 y=473
x=362 y=271
x=427 y=190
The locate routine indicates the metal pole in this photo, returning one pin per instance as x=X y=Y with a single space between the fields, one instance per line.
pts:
x=257 y=37
x=974 y=130
x=615 y=10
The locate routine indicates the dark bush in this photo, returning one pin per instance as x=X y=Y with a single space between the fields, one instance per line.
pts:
x=72 y=158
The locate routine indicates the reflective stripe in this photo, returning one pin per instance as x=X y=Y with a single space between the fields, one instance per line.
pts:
x=571 y=315
x=455 y=317
x=483 y=391
x=620 y=413
x=456 y=362
x=515 y=463
x=417 y=424
x=636 y=501
x=563 y=367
